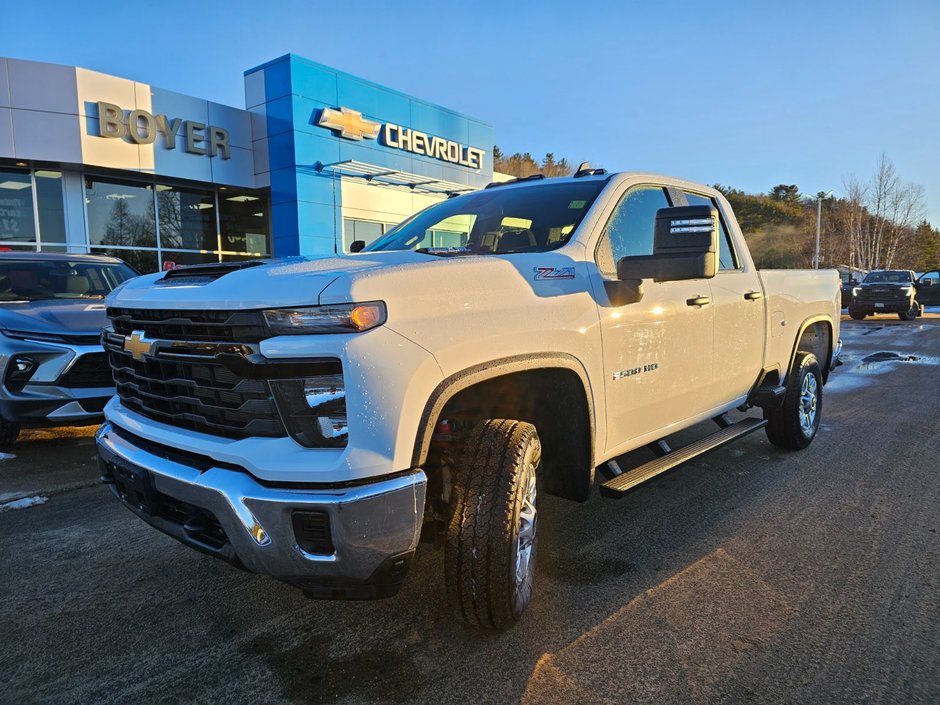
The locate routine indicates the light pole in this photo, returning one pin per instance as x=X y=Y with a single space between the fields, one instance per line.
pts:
x=819 y=199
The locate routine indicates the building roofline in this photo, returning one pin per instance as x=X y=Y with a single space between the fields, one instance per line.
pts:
x=316 y=64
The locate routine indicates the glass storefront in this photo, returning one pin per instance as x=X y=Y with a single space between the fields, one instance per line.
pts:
x=366 y=230
x=17 y=219
x=150 y=225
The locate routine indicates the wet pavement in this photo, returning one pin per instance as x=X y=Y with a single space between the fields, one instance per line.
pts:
x=750 y=576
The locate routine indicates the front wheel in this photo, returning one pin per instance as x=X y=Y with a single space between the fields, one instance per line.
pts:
x=489 y=555
x=911 y=314
x=793 y=425
x=857 y=316
x=8 y=433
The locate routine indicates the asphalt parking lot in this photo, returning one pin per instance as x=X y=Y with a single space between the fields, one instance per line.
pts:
x=750 y=576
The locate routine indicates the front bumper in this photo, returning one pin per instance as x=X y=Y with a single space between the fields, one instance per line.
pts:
x=374 y=527
x=43 y=401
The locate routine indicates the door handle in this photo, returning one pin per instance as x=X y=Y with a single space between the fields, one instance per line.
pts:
x=753 y=296
x=698 y=301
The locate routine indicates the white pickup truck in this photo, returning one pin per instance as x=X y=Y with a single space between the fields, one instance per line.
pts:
x=313 y=419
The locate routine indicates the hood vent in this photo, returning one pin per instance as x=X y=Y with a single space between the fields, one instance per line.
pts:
x=203 y=273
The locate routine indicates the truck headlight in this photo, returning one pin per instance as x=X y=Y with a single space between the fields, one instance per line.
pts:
x=856 y=290
x=907 y=290
x=313 y=410
x=333 y=318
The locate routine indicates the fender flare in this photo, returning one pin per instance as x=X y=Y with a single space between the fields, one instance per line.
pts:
x=820 y=318
x=459 y=381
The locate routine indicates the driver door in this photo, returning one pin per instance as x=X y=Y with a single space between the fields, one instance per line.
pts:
x=928 y=289
x=658 y=352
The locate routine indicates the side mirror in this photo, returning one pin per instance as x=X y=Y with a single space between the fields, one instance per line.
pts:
x=924 y=282
x=685 y=246
x=623 y=291
x=357 y=246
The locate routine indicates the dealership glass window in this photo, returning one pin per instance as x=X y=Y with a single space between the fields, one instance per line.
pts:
x=365 y=230
x=175 y=259
x=50 y=206
x=187 y=218
x=244 y=223
x=120 y=214
x=17 y=220
x=143 y=261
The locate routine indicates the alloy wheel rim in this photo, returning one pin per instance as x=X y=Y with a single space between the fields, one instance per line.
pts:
x=525 y=538
x=808 y=402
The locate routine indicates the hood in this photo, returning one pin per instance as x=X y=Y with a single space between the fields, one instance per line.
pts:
x=293 y=281
x=882 y=285
x=55 y=316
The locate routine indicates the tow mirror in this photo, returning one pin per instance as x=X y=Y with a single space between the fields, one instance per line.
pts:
x=685 y=246
x=357 y=246
x=925 y=282
x=623 y=291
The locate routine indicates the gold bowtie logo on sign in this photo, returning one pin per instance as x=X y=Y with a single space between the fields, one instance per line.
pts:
x=137 y=345
x=349 y=123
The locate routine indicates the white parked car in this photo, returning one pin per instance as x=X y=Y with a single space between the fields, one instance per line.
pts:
x=313 y=419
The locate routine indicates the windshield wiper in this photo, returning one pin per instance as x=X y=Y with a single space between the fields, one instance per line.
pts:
x=445 y=251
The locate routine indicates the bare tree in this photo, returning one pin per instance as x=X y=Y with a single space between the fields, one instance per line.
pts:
x=880 y=215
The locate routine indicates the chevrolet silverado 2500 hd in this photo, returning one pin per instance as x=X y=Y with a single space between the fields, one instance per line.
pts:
x=313 y=419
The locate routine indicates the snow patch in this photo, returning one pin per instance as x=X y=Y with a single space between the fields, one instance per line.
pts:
x=23 y=503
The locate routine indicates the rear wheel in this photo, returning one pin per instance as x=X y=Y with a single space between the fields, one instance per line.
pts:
x=9 y=432
x=489 y=555
x=793 y=425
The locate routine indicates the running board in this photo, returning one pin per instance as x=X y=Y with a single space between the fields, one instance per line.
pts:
x=622 y=484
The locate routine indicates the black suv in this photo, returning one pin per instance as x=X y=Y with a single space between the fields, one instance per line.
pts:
x=886 y=291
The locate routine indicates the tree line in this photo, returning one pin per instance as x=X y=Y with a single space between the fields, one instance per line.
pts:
x=876 y=223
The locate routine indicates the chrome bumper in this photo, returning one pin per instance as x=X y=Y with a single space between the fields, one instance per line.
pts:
x=374 y=527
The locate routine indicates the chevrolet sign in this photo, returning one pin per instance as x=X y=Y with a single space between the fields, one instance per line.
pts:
x=352 y=125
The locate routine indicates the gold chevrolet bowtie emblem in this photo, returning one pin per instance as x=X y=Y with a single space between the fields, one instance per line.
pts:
x=349 y=123
x=137 y=345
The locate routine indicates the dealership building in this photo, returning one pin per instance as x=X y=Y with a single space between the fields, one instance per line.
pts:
x=316 y=160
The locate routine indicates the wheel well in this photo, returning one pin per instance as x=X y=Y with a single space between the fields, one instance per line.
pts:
x=555 y=401
x=816 y=338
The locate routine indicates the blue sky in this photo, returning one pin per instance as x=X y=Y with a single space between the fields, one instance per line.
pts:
x=745 y=94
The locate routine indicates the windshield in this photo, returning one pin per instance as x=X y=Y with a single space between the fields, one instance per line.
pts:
x=900 y=277
x=38 y=280
x=496 y=221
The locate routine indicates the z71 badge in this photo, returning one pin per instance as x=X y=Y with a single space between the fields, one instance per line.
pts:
x=553 y=273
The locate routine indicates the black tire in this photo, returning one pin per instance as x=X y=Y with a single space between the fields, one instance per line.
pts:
x=857 y=316
x=911 y=314
x=787 y=424
x=495 y=481
x=9 y=432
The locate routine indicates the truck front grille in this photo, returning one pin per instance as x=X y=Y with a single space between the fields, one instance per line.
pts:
x=215 y=326
x=200 y=395
x=881 y=293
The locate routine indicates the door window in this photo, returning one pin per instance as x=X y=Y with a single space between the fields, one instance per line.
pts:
x=932 y=277
x=629 y=232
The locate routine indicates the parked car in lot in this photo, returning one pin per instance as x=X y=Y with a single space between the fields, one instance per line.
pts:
x=886 y=291
x=52 y=366
x=928 y=288
x=312 y=419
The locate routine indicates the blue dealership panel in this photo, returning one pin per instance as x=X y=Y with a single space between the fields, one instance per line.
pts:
x=305 y=195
